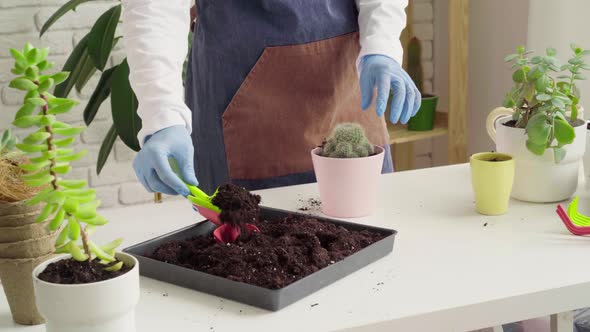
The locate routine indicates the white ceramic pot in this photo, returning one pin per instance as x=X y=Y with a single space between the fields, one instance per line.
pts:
x=348 y=186
x=537 y=179
x=106 y=306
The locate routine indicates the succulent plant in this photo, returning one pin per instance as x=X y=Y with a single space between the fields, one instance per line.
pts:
x=7 y=142
x=347 y=140
x=415 y=69
x=69 y=205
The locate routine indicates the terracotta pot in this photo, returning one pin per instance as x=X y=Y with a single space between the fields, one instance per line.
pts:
x=30 y=248
x=348 y=186
x=18 y=287
x=65 y=307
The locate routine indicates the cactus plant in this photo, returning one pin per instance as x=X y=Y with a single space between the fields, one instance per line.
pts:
x=69 y=204
x=414 y=64
x=347 y=140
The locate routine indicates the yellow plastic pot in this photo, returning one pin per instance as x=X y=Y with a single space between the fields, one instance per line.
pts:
x=492 y=176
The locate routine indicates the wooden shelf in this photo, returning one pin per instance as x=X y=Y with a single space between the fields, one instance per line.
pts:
x=400 y=133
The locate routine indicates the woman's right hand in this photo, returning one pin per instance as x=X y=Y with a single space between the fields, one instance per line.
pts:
x=152 y=165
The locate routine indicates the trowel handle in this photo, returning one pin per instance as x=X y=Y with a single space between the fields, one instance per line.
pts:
x=195 y=191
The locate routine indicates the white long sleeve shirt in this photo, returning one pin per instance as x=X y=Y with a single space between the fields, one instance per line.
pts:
x=156 y=33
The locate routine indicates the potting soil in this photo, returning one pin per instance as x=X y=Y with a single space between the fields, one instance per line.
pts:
x=283 y=252
x=69 y=271
x=238 y=206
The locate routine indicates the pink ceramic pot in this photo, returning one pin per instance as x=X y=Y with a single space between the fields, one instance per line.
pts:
x=348 y=187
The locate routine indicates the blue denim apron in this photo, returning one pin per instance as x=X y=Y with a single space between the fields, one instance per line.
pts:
x=266 y=80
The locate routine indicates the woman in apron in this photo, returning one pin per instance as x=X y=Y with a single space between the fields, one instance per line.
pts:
x=266 y=81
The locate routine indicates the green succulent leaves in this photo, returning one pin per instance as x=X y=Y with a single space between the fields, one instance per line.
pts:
x=544 y=92
x=69 y=206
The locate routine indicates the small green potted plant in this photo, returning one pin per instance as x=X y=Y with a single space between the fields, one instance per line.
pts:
x=424 y=118
x=86 y=272
x=540 y=124
x=347 y=168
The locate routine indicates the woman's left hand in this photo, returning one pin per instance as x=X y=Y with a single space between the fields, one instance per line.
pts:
x=385 y=74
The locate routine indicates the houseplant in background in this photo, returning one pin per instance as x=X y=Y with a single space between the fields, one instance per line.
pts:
x=424 y=119
x=539 y=125
x=23 y=243
x=347 y=167
x=70 y=209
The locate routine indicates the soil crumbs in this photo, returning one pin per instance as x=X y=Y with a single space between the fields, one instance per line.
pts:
x=70 y=272
x=283 y=252
x=311 y=204
x=237 y=205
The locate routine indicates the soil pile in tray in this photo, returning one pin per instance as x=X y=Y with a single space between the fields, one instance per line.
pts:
x=283 y=252
x=69 y=271
x=238 y=206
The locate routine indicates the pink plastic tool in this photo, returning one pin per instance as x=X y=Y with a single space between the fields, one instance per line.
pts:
x=567 y=221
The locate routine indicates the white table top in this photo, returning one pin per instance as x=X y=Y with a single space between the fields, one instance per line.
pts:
x=448 y=271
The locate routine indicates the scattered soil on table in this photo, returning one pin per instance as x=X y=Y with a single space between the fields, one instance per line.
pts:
x=311 y=204
x=69 y=272
x=283 y=252
x=237 y=205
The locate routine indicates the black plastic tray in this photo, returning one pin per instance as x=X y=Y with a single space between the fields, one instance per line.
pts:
x=270 y=299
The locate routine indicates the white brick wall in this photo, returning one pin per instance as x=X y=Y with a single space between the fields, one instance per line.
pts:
x=423 y=20
x=20 y=21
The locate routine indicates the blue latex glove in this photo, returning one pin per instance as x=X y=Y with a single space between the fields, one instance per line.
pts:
x=153 y=168
x=385 y=74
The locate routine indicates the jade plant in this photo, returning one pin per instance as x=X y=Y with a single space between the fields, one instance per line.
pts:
x=69 y=206
x=347 y=140
x=544 y=92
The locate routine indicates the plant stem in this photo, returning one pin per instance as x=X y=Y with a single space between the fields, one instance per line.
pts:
x=52 y=162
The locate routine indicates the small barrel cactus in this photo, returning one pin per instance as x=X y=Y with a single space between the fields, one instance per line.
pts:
x=347 y=140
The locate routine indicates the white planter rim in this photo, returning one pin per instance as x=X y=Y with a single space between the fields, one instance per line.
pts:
x=502 y=121
x=380 y=150
x=41 y=267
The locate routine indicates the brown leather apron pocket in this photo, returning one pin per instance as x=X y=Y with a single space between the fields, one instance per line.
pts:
x=289 y=101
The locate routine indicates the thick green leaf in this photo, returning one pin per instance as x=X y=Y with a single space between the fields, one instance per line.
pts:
x=564 y=132
x=105 y=148
x=102 y=36
x=36 y=101
x=27 y=121
x=60 y=77
x=62 y=108
x=23 y=84
x=72 y=157
x=538 y=129
x=70 y=5
x=542 y=83
x=18 y=56
x=25 y=110
x=124 y=107
x=538 y=149
x=73 y=66
x=100 y=94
